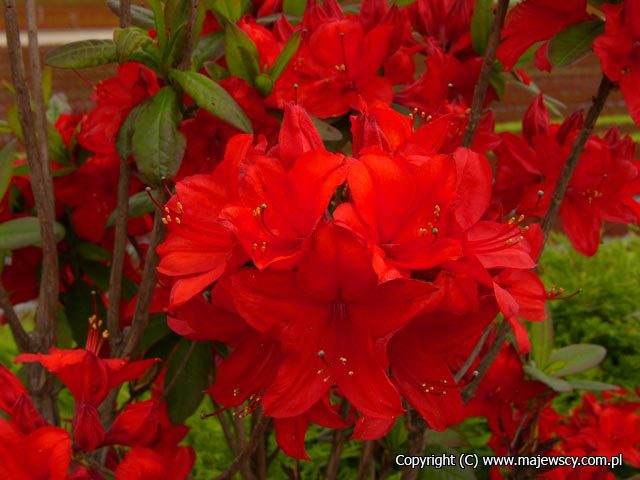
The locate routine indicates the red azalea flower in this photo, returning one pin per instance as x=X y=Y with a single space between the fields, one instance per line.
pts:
x=619 y=50
x=533 y=21
x=337 y=65
x=290 y=431
x=15 y=402
x=115 y=98
x=198 y=248
x=147 y=464
x=403 y=211
x=89 y=378
x=447 y=22
x=333 y=322
x=44 y=453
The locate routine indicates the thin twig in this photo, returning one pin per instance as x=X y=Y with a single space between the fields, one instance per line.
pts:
x=339 y=437
x=416 y=441
x=226 y=430
x=120 y=233
x=474 y=354
x=20 y=335
x=486 y=71
x=366 y=460
x=185 y=62
x=147 y=286
x=501 y=336
x=574 y=156
x=248 y=450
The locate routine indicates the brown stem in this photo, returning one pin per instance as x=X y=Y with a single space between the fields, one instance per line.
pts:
x=501 y=336
x=416 y=441
x=486 y=71
x=339 y=437
x=226 y=430
x=574 y=156
x=147 y=286
x=365 y=466
x=474 y=354
x=247 y=451
x=20 y=336
x=239 y=425
x=34 y=129
x=125 y=13
x=185 y=62
x=120 y=233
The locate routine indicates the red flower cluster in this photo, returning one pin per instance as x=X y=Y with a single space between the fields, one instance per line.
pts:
x=603 y=188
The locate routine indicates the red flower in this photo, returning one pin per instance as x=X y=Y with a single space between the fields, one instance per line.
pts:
x=15 y=402
x=44 y=453
x=619 y=51
x=89 y=378
x=147 y=464
x=533 y=21
x=333 y=322
x=447 y=22
x=198 y=248
x=115 y=98
x=403 y=211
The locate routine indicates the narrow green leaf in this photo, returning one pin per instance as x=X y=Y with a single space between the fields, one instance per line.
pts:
x=481 y=22
x=574 y=42
x=229 y=10
x=209 y=48
x=124 y=138
x=575 y=359
x=6 y=166
x=139 y=204
x=241 y=53
x=47 y=74
x=554 y=383
x=285 y=56
x=158 y=146
x=327 y=132
x=592 y=385
x=128 y=41
x=24 y=232
x=91 y=251
x=82 y=54
x=541 y=335
x=189 y=382
x=212 y=97
x=294 y=7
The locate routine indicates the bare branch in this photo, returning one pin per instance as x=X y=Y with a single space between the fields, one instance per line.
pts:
x=248 y=450
x=339 y=437
x=474 y=354
x=20 y=335
x=486 y=71
x=574 y=156
x=147 y=286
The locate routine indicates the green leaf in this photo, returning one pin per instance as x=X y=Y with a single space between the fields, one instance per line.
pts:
x=46 y=84
x=241 y=53
x=82 y=54
x=99 y=273
x=216 y=72
x=212 y=97
x=209 y=48
x=574 y=42
x=139 y=204
x=575 y=359
x=175 y=13
x=13 y=121
x=541 y=335
x=57 y=148
x=188 y=382
x=6 y=166
x=155 y=331
x=158 y=146
x=285 y=56
x=124 y=138
x=129 y=41
x=554 y=383
x=4 y=127
x=592 y=385
x=327 y=132
x=230 y=10
x=175 y=47
x=58 y=105
x=481 y=22
x=140 y=16
x=91 y=251
x=445 y=472
x=24 y=232
x=294 y=7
